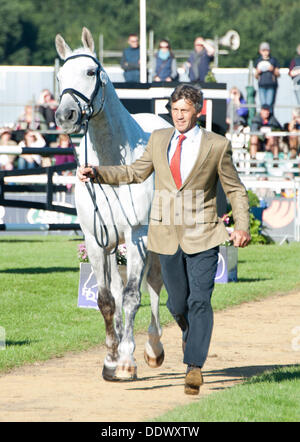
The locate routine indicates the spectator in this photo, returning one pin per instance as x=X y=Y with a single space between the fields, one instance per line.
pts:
x=130 y=61
x=47 y=107
x=236 y=115
x=64 y=142
x=31 y=161
x=199 y=60
x=30 y=119
x=264 y=193
x=294 y=72
x=165 y=67
x=267 y=72
x=264 y=123
x=294 y=126
x=7 y=160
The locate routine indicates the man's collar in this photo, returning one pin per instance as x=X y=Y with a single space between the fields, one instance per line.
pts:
x=190 y=133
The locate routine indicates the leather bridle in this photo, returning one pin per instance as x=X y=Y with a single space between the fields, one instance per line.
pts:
x=87 y=111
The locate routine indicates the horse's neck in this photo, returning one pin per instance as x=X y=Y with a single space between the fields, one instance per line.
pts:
x=114 y=136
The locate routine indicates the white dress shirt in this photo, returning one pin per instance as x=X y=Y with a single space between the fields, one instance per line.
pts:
x=189 y=150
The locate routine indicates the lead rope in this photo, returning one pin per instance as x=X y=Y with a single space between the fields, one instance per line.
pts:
x=104 y=235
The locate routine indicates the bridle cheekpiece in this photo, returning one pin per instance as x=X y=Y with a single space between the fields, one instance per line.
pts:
x=87 y=111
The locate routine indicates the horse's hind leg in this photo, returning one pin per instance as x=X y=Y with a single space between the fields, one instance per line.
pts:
x=154 y=352
x=106 y=304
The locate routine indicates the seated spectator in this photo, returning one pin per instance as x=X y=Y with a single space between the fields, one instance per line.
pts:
x=6 y=160
x=31 y=161
x=47 y=107
x=30 y=119
x=264 y=123
x=294 y=126
x=264 y=193
x=165 y=66
x=236 y=115
x=64 y=142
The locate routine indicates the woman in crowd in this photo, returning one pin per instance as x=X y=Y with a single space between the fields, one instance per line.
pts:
x=31 y=161
x=165 y=66
x=64 y=142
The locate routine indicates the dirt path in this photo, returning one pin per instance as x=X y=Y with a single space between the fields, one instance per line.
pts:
x=246 y=340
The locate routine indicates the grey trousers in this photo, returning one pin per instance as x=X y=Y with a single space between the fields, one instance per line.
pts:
x=189 y=281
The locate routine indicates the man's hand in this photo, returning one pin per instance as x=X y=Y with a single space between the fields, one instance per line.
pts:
x=85 y=173
x=240 y=238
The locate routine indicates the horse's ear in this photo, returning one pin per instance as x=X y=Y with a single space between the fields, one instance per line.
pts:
x=87 y=39
x=62 y=48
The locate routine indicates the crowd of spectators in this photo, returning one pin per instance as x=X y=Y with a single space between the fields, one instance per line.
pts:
x=35 y=128
x=164 y=66
x=261 y=126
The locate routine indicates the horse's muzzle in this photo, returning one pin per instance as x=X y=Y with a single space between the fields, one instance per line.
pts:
x=68 y=118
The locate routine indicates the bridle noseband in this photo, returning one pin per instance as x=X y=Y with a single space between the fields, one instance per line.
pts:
x=87 y=111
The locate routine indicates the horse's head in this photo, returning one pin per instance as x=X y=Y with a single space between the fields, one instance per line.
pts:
x=80 y=79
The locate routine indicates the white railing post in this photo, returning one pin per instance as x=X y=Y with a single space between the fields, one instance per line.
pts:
x=143 y=43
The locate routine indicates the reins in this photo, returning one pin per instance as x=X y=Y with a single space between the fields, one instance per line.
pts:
x=86 y=113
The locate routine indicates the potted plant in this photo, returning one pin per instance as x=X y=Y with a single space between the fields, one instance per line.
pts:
x=228 y=256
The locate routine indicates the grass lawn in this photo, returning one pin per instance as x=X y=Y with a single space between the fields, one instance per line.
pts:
x=271 y=397
x=38 y=294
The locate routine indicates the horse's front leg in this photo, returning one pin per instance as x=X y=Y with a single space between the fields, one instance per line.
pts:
x=127 y=368
x=106 y=303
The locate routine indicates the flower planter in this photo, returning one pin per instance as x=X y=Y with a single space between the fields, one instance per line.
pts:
x=227 y=264
x=87 y=290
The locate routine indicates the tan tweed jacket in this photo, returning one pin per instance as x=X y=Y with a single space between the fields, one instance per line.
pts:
x=188 y=216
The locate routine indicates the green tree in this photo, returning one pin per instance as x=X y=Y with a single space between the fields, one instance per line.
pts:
x=28 y=27
x=15 y=46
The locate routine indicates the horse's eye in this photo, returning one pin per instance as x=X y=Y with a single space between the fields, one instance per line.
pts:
x=91 y=72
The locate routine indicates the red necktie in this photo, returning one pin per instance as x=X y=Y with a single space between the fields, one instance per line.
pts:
x=175 y=162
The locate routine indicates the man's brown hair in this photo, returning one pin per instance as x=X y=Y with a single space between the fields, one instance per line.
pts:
x=190 y=93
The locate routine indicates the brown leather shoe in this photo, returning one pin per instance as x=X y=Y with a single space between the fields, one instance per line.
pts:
x=193 y=380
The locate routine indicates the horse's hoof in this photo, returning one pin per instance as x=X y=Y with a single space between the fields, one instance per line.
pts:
x=109 y=374
x=126 y=373
x=154 y=362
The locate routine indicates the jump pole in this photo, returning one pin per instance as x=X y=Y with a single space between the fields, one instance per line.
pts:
x=25 y=227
